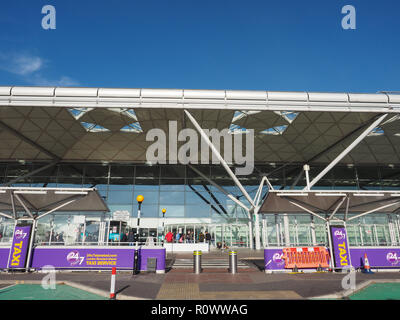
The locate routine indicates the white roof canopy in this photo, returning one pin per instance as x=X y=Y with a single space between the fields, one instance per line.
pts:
x=327 y=203
x=38 y=202
x=110 y=124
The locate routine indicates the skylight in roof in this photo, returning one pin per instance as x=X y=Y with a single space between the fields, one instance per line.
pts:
x=275 y=130
x=378 y=131
x=234 y=128
x=289 y=116
x=241 y=114
x=132 y=127
x=78 y=112
x=92 y=127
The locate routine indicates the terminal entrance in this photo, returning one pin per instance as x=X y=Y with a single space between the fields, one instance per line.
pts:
x=231 y=235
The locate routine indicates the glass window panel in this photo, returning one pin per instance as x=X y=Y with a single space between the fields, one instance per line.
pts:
x=43 y=229
x=6 y=230
x=103 y=187
x=320 y=234
x=172 y=197
x=95 y=182
x=144 y=187
x=172 y=184
x=60 y=228
x=143 y=172
x=71 y=170
x=146 y=211
x=122 y=171
x=92 y=232
x=98 y=171
x=198 y=211
x=304 y=234
x=173 y=210
x=368 y=235
x=119 y=184
x=120 y=197
x=383 y=235
x=203 y=169
x=173 y=171
x=353 y=234
x=293 y=235
x=197 y=197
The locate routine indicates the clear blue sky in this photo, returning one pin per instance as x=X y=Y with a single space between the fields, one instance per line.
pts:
x=257 y=45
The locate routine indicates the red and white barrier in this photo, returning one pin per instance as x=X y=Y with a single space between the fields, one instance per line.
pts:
x=112 y=289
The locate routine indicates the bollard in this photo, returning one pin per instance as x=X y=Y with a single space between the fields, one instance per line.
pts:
x=232 y=262
x=112 y=289
x=197 y=262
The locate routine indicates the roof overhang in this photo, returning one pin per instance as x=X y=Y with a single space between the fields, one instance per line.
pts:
x=111 y=124
x=198 y=99
x=326 y=203
x=38 y=202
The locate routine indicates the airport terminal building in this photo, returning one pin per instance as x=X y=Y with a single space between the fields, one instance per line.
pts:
x=317 y=158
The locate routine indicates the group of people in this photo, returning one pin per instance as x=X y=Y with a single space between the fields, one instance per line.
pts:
x=130 y=237
x=56 y=237
x=189 y=237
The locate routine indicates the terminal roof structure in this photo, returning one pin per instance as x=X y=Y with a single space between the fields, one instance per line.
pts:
x=110 y=124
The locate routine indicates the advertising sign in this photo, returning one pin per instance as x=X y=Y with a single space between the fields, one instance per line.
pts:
x=273 y=259
x=340 y=246
x=121 y=215
x=384 y=257
x=377 y=257
x=75 y=257
x=19 y=247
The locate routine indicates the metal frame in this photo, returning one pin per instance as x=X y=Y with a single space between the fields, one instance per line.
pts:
x=230 y=172
x=345 y=152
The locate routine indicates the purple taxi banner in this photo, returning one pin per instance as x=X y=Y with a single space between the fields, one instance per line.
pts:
x=384 y=257
x=273 y=259
x=158 y=253
x=377 y=257
x=19 y=247
x=4 y=252
x=88 y=258
x=340 y=246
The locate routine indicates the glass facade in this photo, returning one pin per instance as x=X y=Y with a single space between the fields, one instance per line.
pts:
x=189 y=198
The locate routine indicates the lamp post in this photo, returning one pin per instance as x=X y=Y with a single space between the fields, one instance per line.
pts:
x=163 y=223
x=139 y=199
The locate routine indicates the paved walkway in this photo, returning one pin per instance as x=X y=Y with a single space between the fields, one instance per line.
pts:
x=249 y=283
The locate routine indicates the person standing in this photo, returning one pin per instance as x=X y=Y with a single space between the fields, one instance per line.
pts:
x=169 y=237
x=131 y=238
x=125 y=237
x=208 y=237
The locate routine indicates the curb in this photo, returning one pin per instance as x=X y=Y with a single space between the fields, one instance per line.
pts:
x=345 y=293
x=86 y=288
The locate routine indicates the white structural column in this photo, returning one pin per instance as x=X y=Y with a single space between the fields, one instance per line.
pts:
x=346 y=151
x=257 y=200
x=225 y=165
x=220 y=158
x=286 y=229
x=257 y=228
